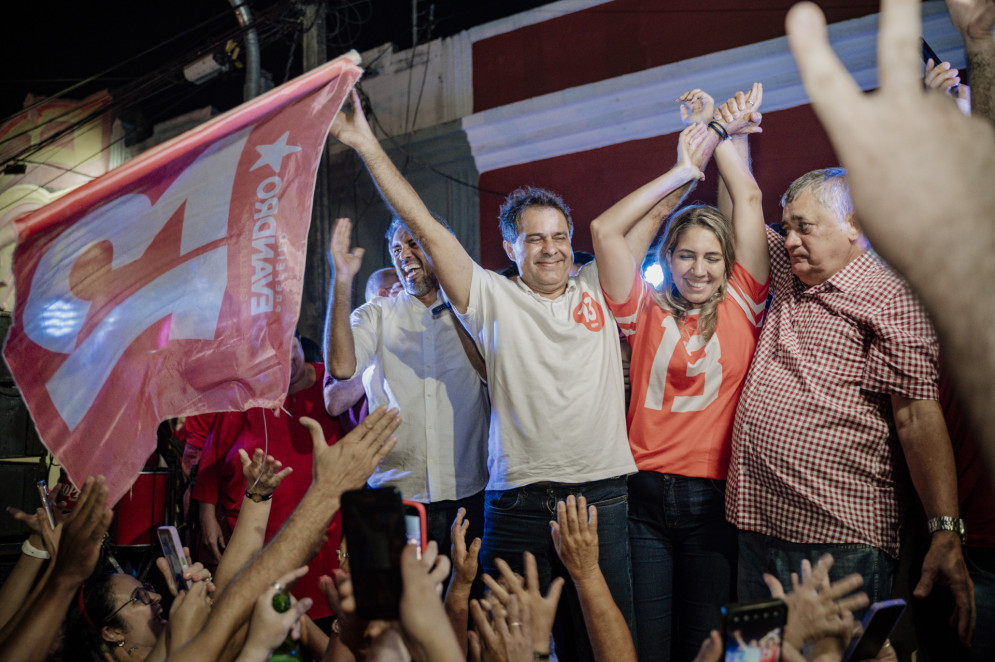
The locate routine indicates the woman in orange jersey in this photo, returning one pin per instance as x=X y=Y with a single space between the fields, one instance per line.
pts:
x=692 y=340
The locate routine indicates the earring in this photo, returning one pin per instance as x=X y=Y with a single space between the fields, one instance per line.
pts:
x=119 y=644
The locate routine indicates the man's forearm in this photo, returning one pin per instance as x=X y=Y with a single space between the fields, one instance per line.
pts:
x=450 y=260
x=458 y=610
x=340 y=352
x=928 y=454
x=246 y=540
x=609 y=633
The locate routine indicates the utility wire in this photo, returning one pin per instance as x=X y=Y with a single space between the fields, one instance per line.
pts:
x=131 y=95
x=365 y=99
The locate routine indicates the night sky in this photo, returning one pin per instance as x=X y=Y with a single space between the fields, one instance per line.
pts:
x=137 y=49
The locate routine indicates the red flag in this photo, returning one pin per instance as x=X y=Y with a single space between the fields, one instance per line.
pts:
x=172 y=285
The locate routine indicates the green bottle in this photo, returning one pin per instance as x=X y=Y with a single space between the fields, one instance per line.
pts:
x=289 y=650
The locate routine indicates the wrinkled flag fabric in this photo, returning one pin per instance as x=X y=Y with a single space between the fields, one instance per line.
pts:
x=172 y=285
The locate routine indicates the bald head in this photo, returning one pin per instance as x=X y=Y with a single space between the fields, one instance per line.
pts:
x=380 y=283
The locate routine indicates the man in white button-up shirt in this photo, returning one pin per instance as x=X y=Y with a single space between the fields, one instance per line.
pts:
x=410 y=352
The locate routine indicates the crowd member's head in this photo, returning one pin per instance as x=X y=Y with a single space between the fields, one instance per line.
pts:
x=580 y=259
x=299 y=372
x=413 y=269
x=697 y=254
x=382 y=283
x=537 y=229
x=821 y=231
x=115 y=615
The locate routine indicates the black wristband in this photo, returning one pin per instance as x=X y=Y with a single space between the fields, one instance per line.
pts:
x=719 y=129
x=258 y=498
x=536 y=655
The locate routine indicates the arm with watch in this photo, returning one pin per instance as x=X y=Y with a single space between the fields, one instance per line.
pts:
x=263 y=475
x=929 y=455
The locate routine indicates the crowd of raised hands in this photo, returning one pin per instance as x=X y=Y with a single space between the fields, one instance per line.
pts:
x=69 y=612
x=74 y=613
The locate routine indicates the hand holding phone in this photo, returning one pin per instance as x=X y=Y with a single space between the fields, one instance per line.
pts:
x=753 y=630
x=172 y=550
x=415 y=525
x=879 y=621
x=373 y=527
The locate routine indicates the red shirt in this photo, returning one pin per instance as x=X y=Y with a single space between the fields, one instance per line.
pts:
x=220 y=480
x=815 y=456
x=684 y=391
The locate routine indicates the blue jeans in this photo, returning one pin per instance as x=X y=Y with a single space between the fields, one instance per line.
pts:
x=759 y=553
x=683 y=562
x=517 y=520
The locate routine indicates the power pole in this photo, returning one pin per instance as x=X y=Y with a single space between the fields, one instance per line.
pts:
x=318 y=273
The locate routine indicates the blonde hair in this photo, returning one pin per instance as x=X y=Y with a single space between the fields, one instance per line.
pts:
x=668 y=296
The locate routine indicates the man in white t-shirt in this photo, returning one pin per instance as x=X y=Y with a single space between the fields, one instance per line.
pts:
x=554 y=372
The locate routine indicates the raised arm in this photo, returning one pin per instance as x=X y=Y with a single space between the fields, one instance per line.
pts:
x=464 y=560
x=340 y=395
x=263 y=474
x=696 y=107
x=575 y=536
x=743 y=191
x=340 y=347
x=337 y=468
x=975 y=20
x=451 y=262
x=27 y=636
x=740 y=118
x=618 y=260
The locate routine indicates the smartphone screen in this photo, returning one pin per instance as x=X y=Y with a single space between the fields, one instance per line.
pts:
x=172 y=550
x=415 y=525
x=753 y=630
x=373 y=526
x=879 y=621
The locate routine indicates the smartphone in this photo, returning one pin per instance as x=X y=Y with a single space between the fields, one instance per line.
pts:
x=879 y=621
x=415 y=525
x=172 y=549
x=373 y=527
x=46 y=502
x=753 y=630
x=928 y=53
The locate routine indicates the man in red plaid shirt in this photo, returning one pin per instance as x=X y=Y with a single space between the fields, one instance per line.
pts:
x=841 y=394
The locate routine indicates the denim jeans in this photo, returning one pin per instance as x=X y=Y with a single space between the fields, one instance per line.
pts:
x=759 y=553
x=683 y=562
x=517 y=520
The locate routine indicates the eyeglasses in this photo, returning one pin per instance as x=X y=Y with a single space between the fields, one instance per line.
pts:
x=140 y=594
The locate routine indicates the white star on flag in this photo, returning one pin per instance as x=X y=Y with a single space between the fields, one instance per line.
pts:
x=272 y=155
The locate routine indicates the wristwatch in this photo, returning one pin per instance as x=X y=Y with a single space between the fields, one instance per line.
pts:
x=948 y=524
x=259 y=498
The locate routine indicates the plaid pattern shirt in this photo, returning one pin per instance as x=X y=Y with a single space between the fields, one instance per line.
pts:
x=815 y=456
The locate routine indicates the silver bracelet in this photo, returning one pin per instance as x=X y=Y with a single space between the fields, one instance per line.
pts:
x=30 y=550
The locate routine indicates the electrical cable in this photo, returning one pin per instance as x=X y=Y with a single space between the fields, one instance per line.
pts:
x=364 y=98
x=153 y=82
